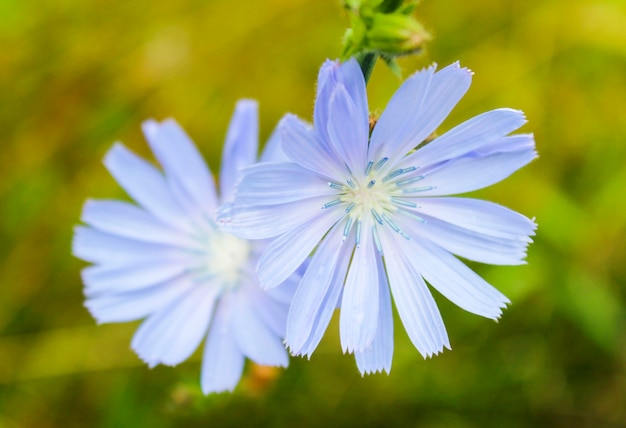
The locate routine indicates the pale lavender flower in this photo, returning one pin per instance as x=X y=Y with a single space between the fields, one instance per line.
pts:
x=373 y=211
x=168 y=261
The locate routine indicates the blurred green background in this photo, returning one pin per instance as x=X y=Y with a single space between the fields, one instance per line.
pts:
x=76 y=76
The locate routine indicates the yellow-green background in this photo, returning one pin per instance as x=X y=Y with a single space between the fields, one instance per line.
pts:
x=76 y=76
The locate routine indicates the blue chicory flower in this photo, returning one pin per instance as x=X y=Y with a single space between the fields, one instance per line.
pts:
x=374 y=211
x=168 y=260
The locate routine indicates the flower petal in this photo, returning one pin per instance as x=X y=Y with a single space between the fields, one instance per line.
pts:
x=273 y=150
x=105 y=279
x=130 y=221
x=328 y=305
x=325 y=80
x=284 y=292
x=480 y=216
x=241 y=147
x=416 y=306
x=348 y=129
x=379 y=355
x=310 y=296
x=331 y=74
x=172 y=334
x=359 y=304
x=223 y=362
x=455 y=281
x=136 y=304
x=260 y=222
x=255 y=339
x=95 y=246
x=472 y=134
x=279 y=183
x=470 y=173
x=302 y=146
x=287 y=252
x=184 y=166
x=417 y=108
x=465 y=243
x=145 y=184
x=272 y=312
x=511 y=143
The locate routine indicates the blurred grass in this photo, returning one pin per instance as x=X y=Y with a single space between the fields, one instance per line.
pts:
x=74 y=77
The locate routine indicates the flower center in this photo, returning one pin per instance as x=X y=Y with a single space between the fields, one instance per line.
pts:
x=227 y=258
x=378 y=194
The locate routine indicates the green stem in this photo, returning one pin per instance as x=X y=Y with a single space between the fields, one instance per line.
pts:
x=367 y=63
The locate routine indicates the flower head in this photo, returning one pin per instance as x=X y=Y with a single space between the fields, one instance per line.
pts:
x=374 y=211
x=167 y=260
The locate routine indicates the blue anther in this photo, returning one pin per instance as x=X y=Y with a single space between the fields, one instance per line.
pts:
x=332 y=203
x=347 y=227
x=380 y=163
x=410 y=180
x=418 y=189
x=379 y=247
x=376 y=216
x=402 y=202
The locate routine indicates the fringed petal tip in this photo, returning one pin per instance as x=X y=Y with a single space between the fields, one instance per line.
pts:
x=298 y=353
x=368 y=372
x=497 y=315
x=434 y=353
x=456 y=65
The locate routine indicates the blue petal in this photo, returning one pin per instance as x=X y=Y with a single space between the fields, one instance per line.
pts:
x=260 y=222
x=454 y=280
x=95 y=246
x=465 y=243
x=129 y=221
x=511 y=143
x=147 y=186
x=329 y=304
x=379 y=355
x=332 y=74
x=415 y=304
x=222 y=364
x=479 y=131
x=136 y=304
x=272 y=312
x=255 y=339
x=183 y=164
x=273 y=150
x=284 y=292
x=348 y=129
x=172 y=334
x=417 y=108
x=480 y=216
x=359 y=305
x=279 y=183
x=302 y=146
x=466 y=174
x=312 y=292
x=349 y=74
x=326 y=80
x=287 y=252
x=241 y=147
x=106 y=279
